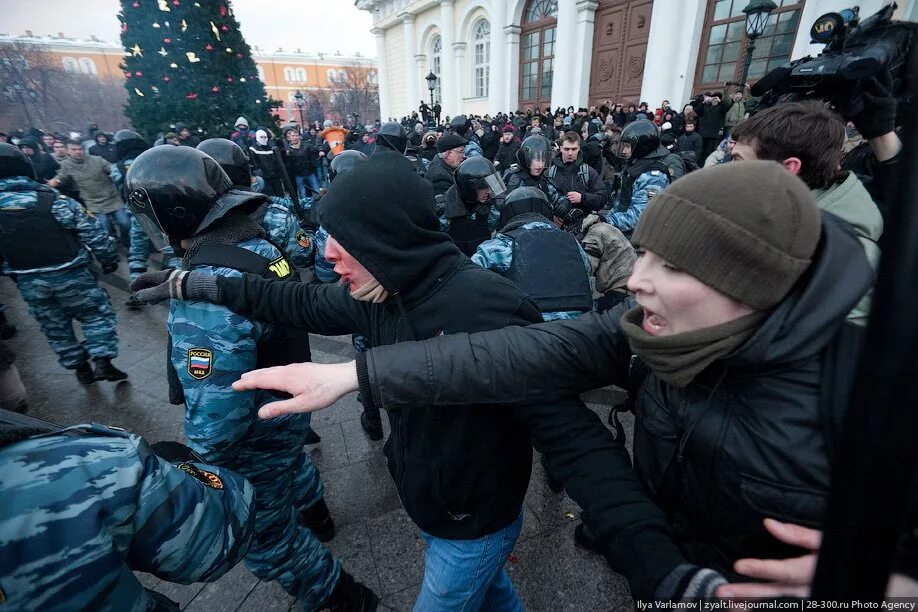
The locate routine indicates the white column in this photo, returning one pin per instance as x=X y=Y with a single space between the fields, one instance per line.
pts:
x=497 y=94
x=566 y=56
x=411 y=74
x=461 y=76
x=672 y=48
x=447 y=59
x=512 y=84
x=382 y=74
x=420 y=67
x=583 y=52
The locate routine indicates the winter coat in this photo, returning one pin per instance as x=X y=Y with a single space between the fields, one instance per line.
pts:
x=45 y=166
x=592 y=152
x=710 y=117
x=611 y=255
x=300 y=161
x=105 y=151
x=92 y=176
x=745 y=440
x=566 y=178
x=464 y=474
x=691 y=142
x=490 y=142
x=263 y=159
x=440 y=174
x=506 y=154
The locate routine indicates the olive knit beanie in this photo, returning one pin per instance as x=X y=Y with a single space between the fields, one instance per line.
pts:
x=748 y=229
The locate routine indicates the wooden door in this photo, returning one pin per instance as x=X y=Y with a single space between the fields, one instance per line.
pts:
x=619 y=48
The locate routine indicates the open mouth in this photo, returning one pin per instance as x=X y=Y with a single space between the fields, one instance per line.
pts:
x=653 y=323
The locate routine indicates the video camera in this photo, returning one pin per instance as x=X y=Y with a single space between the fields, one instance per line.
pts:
x=855 y=50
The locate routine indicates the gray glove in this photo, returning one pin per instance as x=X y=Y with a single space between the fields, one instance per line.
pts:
x=688 y=582
x=154 y=287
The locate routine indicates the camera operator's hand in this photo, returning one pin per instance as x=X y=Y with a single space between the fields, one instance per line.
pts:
x=877 y=116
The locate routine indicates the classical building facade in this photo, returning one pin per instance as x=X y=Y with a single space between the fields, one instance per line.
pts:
x=283 y=72
x=501 y=55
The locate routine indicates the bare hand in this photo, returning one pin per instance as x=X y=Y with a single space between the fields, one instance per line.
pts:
x=313 y=386
x=785 y=577
x=54 y=183
x=575 y=197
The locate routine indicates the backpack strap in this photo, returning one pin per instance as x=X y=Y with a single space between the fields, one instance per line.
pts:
x=45 y=202
x=237 y=258
x=584 y=173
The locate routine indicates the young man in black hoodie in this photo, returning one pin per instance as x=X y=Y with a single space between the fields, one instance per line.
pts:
x=461 y=475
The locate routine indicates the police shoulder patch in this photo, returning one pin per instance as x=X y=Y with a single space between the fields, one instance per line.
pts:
x=200 y=363
x=208 y=479
x=280 y=267
x=302 y=239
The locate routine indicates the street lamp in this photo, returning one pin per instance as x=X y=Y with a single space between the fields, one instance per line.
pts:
x=757 y=14
x=300 y=102
x=431 y=85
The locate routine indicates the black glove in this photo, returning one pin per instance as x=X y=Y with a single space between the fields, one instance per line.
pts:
x=109 y=267
x=573 y=217
x=154 y=287
x=688 y=582
x=562 y=207
x=875 y=115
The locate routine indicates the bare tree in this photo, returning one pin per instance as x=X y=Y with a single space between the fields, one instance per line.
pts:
x=355 y=92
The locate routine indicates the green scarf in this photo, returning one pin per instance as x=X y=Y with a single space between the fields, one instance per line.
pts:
x=678 y=359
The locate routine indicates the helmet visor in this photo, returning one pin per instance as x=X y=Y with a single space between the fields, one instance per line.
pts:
x=623 y=149
x=490 y=186
x=539 y=155
x=140 y=204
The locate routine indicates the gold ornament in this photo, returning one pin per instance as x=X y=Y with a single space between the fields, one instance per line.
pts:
x=135 y=50
x=184 y=25
x=155 y=25
x=214 y=29
x=173 y=65
x=164 y=6
x=228 y=50
x=138 y=92
x=162 y=51
x=242 y=80
x=192 y=57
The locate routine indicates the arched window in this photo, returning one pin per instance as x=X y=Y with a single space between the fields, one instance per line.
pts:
x=537 y=52
x=301 y=75
x=331 y=75
x=436 y=50
x=70 y=65
x=261 y=73
x=288 y=74
x=87 y=66
x=481 y=72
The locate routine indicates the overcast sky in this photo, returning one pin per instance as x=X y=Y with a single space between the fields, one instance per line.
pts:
x=310 y=25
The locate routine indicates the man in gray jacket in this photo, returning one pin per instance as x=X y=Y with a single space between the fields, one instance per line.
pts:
x=92 y=176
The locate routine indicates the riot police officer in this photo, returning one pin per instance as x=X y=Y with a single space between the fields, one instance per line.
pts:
x=533 y=159
x=392 y=136
x=466 y=210
x=183 y=196
x=54 y=277
x=644 y=175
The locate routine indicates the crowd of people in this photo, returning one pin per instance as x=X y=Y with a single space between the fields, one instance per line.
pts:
x=709 y=261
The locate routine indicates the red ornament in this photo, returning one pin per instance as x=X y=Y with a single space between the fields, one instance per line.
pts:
x=229 y=79
x=167 y=40
x=127 y=75
x=123 y=27
x=222 y=11
x=192 y=96
x=215 y=89
x=238 y=55
x=138 y=73
x=209 y=47
x=136 y=5
x=224 y=28
x=166 y=78
x=175 y=2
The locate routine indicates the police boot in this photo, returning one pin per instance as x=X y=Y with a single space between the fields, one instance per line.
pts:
x=7 y=329
x=85 y=374
x=371 y=424
x=106 y=371
x=317 y=519
x=350 y=596
x=585 y=538
x=133 y=303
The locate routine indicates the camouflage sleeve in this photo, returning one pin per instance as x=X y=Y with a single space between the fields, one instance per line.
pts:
x=324 y=271
x=495 y=254
x=646 y=187
x=211 y=348
x=284 y=231
x=93 y=234
x=117 y=178
x=473 y=149
x=140 y=249
x=192 y=523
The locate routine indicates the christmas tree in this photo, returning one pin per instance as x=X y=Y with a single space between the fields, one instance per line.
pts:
x=187 y=61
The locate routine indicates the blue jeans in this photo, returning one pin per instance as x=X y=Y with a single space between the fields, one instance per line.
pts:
x=120 y=219
x=468 y=575
x=310 y=180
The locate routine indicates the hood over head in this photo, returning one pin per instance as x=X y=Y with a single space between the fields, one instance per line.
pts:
x=261 y=137
x=382 y=213
x=242 y=121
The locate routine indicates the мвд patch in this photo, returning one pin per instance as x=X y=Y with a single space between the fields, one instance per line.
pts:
x=200 y=363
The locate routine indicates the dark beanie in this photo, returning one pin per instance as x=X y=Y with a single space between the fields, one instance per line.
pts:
x=748 y=229
x=451 y=141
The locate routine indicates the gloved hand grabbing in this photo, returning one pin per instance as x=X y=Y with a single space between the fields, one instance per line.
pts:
x=109 y=267
x=154 y=287
x=877 y=115
x=688 y=582
x=562 y=207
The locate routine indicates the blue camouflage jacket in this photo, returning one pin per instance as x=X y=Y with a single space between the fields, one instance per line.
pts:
x=646 y=186
x=81 y=513
x=497 y=254
x=284 y=230
x=211 y=348
x=18 y=192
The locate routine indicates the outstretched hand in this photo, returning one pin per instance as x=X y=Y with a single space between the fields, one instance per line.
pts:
x=783 y=577
x=313 y=386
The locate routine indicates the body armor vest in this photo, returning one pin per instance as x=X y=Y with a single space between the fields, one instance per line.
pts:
x=631 y=173
x=18 y=229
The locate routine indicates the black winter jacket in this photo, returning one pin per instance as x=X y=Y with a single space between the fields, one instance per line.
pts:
x=742 y=442
x=566 y=178
x=506 y=154
x=710 y=118
x=460 y=474
x=440 y=175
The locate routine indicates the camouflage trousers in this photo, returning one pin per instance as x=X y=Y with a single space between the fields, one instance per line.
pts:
x=56 y=299
x=286 y=481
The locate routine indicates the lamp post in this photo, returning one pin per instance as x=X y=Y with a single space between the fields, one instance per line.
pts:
x=431 y=79
x=300 y=102
x=757 y=14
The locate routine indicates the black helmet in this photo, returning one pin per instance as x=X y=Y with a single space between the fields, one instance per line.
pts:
x=14 y=162
x=460 y=124
x=129 y=143
x=176 y=192
x=344 y=162
x=231 y=158
x=477 y=173
x=535 y=149
x=392 y=136
x=521 y=201
x=641 y=138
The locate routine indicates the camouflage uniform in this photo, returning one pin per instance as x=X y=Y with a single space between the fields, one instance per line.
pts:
x=58 y=294
x=142 y=247
x=80 y=512
x=497 y=254
x=284 y=230
x=222 y=426
x=646 y=186
x=323 y=270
